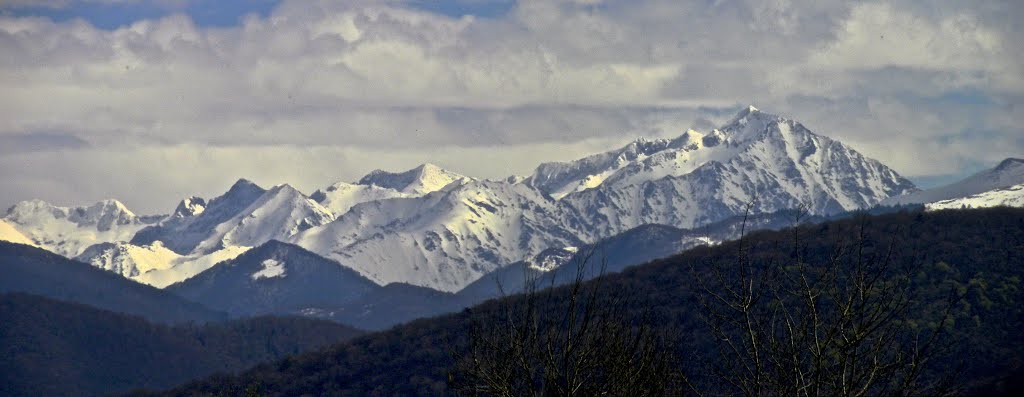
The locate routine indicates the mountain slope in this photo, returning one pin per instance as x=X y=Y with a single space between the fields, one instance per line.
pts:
x=560 y=179
x=36 y=271
x=153 y=264
x=1007 y=173
x=341 y=197
x=54 y=348
x=1012 y=196
x=10 y=234
x=274 y=278
x=129 y=260
x=442 y=240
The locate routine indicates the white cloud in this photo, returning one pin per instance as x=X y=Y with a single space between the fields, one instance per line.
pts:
x=332 y=80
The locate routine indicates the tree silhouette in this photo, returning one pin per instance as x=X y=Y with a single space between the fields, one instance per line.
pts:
x=576 y=340
x=793 y=326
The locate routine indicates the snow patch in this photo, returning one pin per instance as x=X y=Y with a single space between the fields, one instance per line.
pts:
x=1012 y=196
x=271 y=268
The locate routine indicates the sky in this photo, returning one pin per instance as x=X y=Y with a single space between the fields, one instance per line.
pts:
x=149 y=101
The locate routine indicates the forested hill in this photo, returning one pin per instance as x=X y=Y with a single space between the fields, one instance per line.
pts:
x=977 y=253
x=54 y=348
x=36 y=271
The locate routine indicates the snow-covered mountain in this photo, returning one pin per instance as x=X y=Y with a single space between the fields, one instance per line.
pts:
x=435 y=228
x=450 y=237
x=70 y=230
x=127 y=259
x=182 y=234
x=1012 y=196
x=444 y=239
x=247 y=215
x=695 y=179
x=153 y=263
x=199 y=234
x=1009 y=172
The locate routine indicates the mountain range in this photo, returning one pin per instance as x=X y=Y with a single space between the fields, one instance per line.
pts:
x=433 y=228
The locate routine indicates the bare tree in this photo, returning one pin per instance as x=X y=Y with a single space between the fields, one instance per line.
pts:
x=838 y=327
x=577 y=340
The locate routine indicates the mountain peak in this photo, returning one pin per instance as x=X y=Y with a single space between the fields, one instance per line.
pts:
x=745 y=114
x=243 y=188
x=113 y=204
x=242 y=183
x=423 y=179
x=190 y=206
x=428 y=167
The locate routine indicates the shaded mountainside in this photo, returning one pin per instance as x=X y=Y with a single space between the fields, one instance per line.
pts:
x=979 y=253
x=40 y=272
x=55 y=348
x=275 y=278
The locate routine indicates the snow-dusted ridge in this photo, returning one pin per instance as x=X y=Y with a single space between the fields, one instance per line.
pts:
x=435 y=228
x=1012 y=196
x=421 y=180
x=1009 y=172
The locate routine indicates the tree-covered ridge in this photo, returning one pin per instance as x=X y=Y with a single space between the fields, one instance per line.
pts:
x=55 y=348
x=979 y=252
x=36 y=271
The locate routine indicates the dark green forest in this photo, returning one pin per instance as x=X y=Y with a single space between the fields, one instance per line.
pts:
x=55 y=348
x=963 y=269
x=37 y=271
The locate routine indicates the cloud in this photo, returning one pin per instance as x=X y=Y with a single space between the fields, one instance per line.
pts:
x=39 y=142
x=57 y=3
x=929 y=89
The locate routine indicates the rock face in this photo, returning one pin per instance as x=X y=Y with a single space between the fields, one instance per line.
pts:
x=434 y=228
